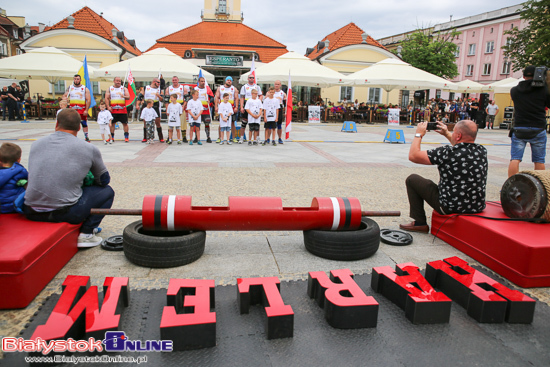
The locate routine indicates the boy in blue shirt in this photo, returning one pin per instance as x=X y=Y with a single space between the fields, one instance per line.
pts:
x=13 y=177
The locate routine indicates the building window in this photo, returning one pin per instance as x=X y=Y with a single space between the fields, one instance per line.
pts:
x=491 y=29
x=512 y=26
x=457 y=52
x=346 y=93
x=15 y=35
x=59 y=87
x=508 y=42
x=18 y=51
x=3 y=49
x=489 y=47
x=473 y=33
x=374 y=95
x=506 y=67
x=437 y=94
x=469 y=70
x=95 y=88
x=222 y=8
x=486 y=69
x=472 y=49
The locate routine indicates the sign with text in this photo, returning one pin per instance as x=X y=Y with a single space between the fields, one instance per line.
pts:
x=224 y=60
x=314 y=114
x=393 y=116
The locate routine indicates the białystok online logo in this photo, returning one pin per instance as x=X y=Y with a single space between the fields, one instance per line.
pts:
x=115 y=341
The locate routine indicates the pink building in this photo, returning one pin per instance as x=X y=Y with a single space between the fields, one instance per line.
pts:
x=480 y=56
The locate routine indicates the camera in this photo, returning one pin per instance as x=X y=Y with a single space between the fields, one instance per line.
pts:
x=540 y=76
x=431 y=126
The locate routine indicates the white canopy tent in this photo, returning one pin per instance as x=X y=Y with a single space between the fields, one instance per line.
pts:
x=502 y=86
x=390 y=74
x=303 y=72
x=47 y=63
x=150 y=64
x=467 y=86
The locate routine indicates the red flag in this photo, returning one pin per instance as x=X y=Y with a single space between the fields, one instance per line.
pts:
x=131 y=89
x=288 y=126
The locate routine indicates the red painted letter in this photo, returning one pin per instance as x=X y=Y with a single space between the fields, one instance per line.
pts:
x=187 y=320
x=485 y=299
x=409 y=290
x=280 y=317
x=346 y=305
x=85 y=319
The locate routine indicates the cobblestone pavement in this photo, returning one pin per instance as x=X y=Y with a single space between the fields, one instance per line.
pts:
x=319 y=160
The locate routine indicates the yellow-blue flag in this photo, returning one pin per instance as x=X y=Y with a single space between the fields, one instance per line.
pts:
x=85 y=77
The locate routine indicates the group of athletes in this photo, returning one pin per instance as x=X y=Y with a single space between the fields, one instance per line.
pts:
x=78 y=98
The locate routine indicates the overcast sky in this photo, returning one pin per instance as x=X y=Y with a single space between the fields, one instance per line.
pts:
x=296 y=24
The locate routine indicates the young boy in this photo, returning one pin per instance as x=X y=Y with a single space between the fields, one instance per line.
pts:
x=13 y=176
x=148 y=114
x=194 y=107
x=104 y=119
x=254 y=109
x=271 y=111
x=225 y=110
x=174 y=111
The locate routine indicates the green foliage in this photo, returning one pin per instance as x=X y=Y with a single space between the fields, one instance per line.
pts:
x=531 y=45
x=434 y=53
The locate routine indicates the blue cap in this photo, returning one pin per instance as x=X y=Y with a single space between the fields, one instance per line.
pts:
x=229 y=78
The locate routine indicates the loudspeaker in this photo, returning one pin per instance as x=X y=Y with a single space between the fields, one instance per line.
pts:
x=483 y=101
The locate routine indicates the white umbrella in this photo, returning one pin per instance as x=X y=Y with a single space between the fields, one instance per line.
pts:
x=47 y=63
x=468 y=86
x=391 y=73
x=302 y=70
x=502 y=86
x=150 y=64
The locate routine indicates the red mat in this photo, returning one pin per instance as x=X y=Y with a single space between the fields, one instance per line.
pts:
x=518 y=251
x=31 y=254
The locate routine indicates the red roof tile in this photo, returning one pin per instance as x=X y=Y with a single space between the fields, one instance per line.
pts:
x=3 y=32
x=7 y=21
x=88 y=20
x=349 y=34
x=222 y=35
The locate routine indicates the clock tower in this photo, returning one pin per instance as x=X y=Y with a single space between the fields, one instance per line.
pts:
x=222 y=11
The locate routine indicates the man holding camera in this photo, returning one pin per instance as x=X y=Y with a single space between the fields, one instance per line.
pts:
x=529 y=121
x=462 y=169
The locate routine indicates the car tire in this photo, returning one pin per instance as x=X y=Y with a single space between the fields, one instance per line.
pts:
x=162 y=249
x=345 y=245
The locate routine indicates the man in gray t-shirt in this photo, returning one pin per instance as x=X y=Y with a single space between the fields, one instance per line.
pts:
x=57 y=191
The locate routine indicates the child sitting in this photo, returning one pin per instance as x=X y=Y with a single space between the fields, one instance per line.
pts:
x=13 y=177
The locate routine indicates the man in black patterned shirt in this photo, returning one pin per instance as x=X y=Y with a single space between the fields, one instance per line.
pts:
x=462 y=175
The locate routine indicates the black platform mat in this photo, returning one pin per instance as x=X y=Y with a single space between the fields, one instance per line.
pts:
x=241 y=339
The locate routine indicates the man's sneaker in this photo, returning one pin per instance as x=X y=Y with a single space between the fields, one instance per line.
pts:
x=268 y=141
x=240 y=141
x=255 y=143
x=229 y=142
x=218 y=141
x=274 y=144
x=264 y=143
x=169 y=142
x=249 y=143
x=144 y=141
x=111 y=141
x=179 y=142
x=195 y=140
x=234 y=140
x=126 y=140
x=208 y=140
x=221 y=143
x=87 y=139
x=161 y=140
x=105 y=142
x=184 y=140
x=280 y=141
x=199 y=143
x=88 y=240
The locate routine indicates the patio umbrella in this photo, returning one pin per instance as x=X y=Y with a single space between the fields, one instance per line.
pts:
x=302 y=70
x=502 y=86
x=47 y=63
x=468 y=86
x=390 y=74
x=150 y=64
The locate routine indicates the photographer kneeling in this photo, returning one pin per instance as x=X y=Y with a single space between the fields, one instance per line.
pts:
x=463 y=175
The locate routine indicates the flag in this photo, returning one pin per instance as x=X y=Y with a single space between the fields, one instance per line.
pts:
x=208 y=90
x=85 y=78
x=288 y=127
x=253 y=71
x=131 y=88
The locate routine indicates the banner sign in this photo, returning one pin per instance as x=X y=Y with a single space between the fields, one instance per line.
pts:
x=314 y=114
x=393 y=116
x=224 y=60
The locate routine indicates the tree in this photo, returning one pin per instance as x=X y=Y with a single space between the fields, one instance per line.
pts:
x=434 y=53
x=531 y=45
